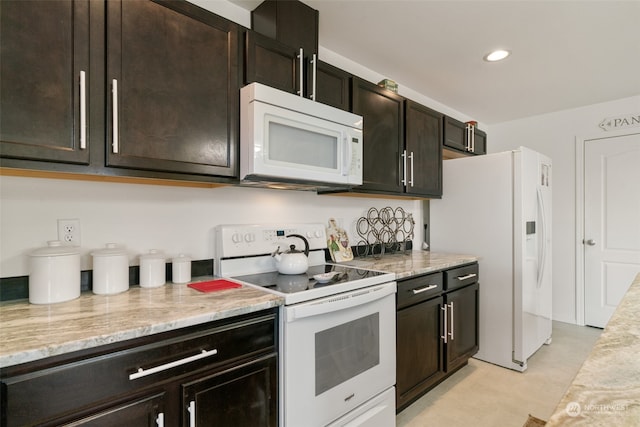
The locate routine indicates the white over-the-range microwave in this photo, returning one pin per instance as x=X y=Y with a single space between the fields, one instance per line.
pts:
x=288 y=141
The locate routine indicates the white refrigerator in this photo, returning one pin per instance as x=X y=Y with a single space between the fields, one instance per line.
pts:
x=498 y=207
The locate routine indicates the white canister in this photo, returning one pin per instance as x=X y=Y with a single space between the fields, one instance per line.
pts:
x=54 y=273
x=110 y=270
x=181 y=269
x=152 y=269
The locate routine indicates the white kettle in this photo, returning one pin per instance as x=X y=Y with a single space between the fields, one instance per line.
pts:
x=292 y=261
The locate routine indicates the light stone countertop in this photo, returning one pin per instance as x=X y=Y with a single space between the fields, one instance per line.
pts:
x=30 y=332
x=414 y=263
x=606 y=389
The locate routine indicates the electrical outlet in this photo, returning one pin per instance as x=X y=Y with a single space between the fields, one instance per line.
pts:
x=69 y=232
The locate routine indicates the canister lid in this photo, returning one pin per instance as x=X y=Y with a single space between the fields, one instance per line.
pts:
x=153 y=254
x=111 y=249
x=182 y=258
x=55 y=248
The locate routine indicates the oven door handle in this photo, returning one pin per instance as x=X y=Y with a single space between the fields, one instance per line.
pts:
x=339 y=302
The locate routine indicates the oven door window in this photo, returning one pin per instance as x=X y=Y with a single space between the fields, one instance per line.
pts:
x=345 y=351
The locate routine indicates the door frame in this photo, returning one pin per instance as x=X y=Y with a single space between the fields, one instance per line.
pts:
x=580 y=212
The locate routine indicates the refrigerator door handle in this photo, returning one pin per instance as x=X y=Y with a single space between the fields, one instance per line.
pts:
x=543 y=239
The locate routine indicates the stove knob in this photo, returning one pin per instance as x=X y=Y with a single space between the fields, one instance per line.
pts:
x=236 y=238
x=249 y=237
x=318 y=233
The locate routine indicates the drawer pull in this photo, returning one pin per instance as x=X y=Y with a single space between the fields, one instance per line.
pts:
x=144 y=372
x=468 y=276
x=160 y=420
x=425 y=289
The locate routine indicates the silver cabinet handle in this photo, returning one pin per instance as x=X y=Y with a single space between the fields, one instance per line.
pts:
x=452 y=327
x=192 y=413
x=114 y=116
x=144 y=372
x=472 y=134
x=404 y=167
x=444 y=335
x=300 y=72
x=425 y=289
x=468 y=276
x=411 y=158
x=314 y=63
x=83 y=111
x=589 y=242
x=160 y=420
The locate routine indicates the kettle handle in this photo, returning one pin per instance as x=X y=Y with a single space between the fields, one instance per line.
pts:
x=306 y=242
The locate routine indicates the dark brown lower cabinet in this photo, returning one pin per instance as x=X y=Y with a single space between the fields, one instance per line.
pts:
x=437 y=329
x=420 y=358
x=219 y=373
x=241 y=397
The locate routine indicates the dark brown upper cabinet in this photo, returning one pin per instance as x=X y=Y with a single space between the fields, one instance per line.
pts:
x=282 y=52
x=423 y=139
x=292 y=23
x=402 y=143
x=333 y=86
x=172 y=78
x=44 y=80
x=383 y=137
x=460 y=140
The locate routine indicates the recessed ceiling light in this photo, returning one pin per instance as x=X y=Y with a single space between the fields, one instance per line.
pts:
x=496 y=55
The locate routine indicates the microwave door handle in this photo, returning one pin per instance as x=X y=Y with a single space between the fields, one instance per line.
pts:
x=347 y=156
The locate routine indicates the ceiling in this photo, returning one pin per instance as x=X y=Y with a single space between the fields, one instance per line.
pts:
x=565 y=54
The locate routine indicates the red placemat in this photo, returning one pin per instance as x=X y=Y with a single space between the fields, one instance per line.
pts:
x=214 y=285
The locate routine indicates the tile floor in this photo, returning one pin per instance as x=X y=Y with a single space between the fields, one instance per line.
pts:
x=482 y=394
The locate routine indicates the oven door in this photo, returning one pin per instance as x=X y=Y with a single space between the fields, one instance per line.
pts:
x=338 y=352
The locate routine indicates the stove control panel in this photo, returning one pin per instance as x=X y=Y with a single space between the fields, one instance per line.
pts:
x=247 y=240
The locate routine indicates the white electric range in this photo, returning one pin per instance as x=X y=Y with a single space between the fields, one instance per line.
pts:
x=337 y=339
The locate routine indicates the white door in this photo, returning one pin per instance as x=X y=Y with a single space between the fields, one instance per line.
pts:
x=611 y=223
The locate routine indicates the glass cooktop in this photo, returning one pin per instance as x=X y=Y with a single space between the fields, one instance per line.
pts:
x=292 y=283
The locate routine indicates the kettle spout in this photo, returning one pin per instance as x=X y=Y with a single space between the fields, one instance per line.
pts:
x=277 y=254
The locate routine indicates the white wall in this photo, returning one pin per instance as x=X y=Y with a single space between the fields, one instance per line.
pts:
x=555 y=134
x=142 y=217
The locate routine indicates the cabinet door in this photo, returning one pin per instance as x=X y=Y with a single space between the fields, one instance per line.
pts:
x=292 y=23
x=424 y=145
x=176 y=104
x=44 y=50
x=480 y=142
x=463 y=326
x=241 y=397
x=271 y=63
x=455 y=134
x=383 y=136
x=333 y=86
x=419 y=353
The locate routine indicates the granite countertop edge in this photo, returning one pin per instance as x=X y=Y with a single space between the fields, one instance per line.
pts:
x=606 y=390
x=29 y=332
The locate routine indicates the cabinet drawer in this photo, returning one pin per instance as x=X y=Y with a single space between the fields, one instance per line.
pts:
x=144 y=363
x=461 y=276
x=418 y=289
